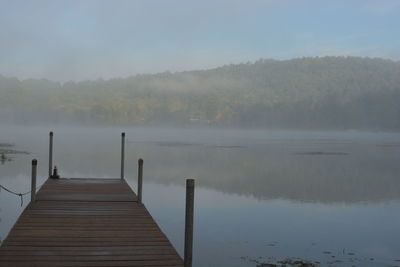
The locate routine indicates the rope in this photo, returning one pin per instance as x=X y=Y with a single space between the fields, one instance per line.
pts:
x=21 y=195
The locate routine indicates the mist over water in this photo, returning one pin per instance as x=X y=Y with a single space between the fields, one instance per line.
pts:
x=261 y=195
x=304 y=93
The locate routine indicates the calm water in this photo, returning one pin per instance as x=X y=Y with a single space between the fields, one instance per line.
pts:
x=332 y=197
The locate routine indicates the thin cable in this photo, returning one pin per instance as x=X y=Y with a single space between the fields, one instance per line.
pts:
x=21 y=195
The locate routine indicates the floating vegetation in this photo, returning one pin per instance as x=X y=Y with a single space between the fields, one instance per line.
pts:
x=181 y=144
x=6 y=145
x=322 y=153
x=176 y=144
x=272 y=244
x=233 y=146
x=271 y=261
x=6 y=150
x=292 y=262
x=12 y=152
x=297 y=263
x=330 y=258
x=4 y=158
x=389 y=145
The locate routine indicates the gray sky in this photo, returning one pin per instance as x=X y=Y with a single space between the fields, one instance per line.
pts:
x=78 y=40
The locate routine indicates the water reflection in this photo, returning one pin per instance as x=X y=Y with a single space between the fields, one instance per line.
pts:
x=300 y=166
x=270 y=171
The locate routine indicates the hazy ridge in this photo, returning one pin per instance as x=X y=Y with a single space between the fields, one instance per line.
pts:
x=327 y=92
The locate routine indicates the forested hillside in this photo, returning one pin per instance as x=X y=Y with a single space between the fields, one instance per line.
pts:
x=328 y=92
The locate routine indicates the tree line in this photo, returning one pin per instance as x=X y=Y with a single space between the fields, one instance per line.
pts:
x=321 y=92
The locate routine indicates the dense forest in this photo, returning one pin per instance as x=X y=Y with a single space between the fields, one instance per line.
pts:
x=325 y=92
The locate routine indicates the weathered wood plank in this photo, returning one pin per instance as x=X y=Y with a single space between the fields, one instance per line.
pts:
x=99 y=248
x=111 y=263
x=80 y=189
x=86 y=222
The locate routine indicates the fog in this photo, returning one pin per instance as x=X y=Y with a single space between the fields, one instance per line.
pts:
x=307 y=93
x=317 y=166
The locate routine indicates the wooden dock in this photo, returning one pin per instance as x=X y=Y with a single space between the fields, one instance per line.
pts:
x=86 y=222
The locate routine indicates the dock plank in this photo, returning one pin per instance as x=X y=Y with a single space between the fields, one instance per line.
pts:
x=86 y=222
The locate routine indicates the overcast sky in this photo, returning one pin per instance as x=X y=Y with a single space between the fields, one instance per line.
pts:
x=78 y=40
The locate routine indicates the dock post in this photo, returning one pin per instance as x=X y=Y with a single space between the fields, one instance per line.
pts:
x=122 y=154
x=50 y=153
x=189 y=223
x=140 y=180
x=33 y=180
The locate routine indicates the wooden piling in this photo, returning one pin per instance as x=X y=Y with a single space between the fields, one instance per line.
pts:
x=33 y=180
x=122 y=154
x=140 y=180
x=50 y=153
x=188 y=250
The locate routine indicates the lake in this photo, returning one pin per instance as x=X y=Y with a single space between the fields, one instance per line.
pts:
x=261 y=196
